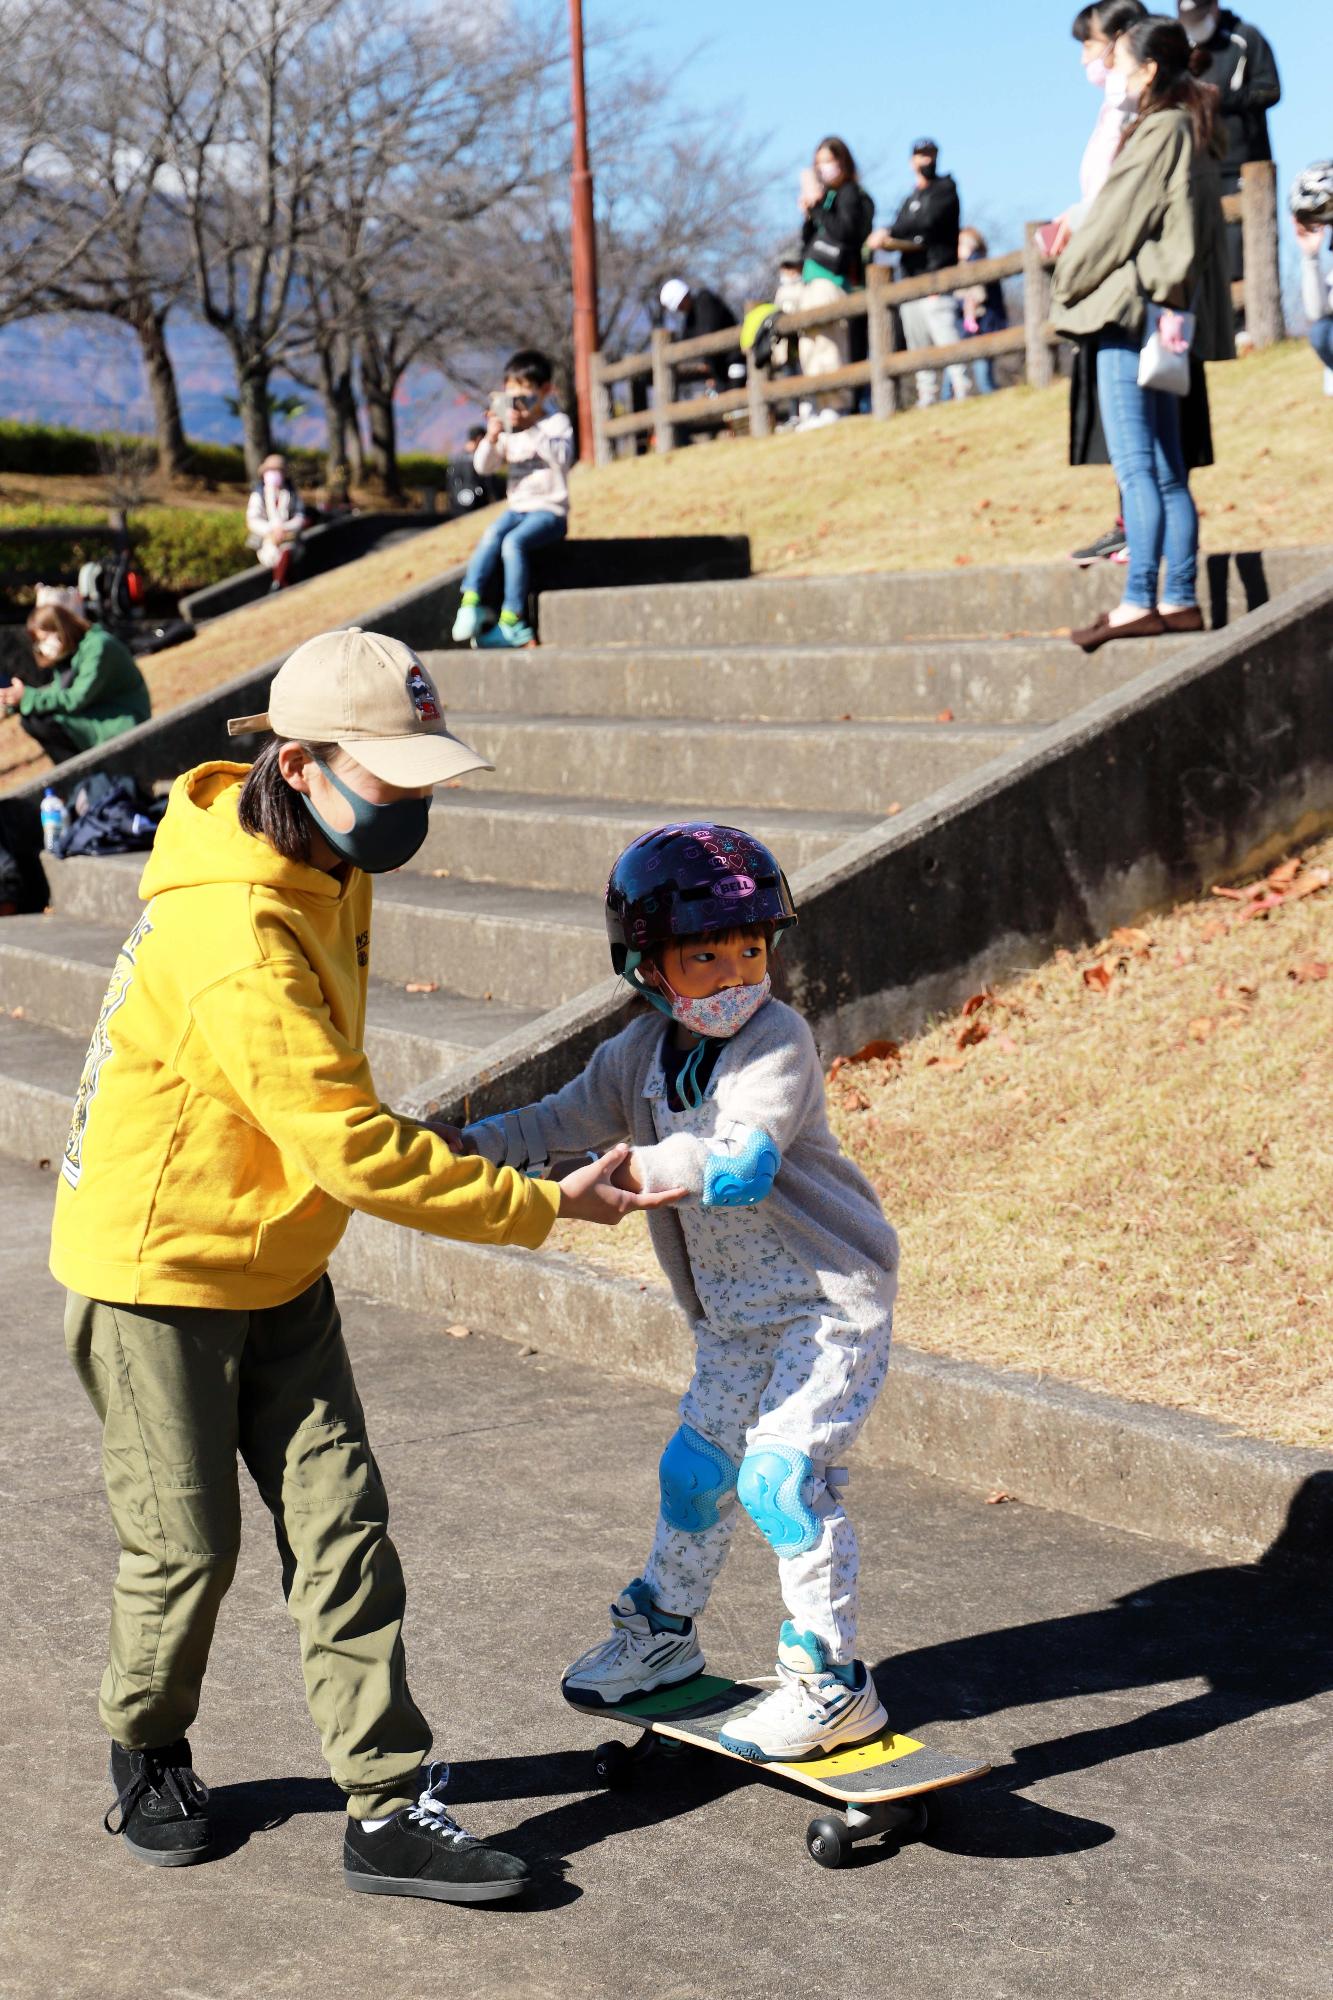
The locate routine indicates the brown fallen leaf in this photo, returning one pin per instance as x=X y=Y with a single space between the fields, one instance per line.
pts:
x=971 y=1033
x=1308 y=883
x=1200 y=1029
x=1260 y=906
x=1098 y=976
x=441 y=874
x=18 y=1013
x=1286 y=871
x=1130 y=938
x=1232 y=895
x=946 y=1062
x=423 y=986
x=1306 y=974
x=998 y=1497
x=855 y=1100
x=977 y=1002
x=459 y=1332
x=945 y=715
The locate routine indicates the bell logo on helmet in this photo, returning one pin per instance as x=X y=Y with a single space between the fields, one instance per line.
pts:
x=734 y=888
x=423 y=695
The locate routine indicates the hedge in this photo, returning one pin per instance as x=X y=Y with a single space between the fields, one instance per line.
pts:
x=178 y=548
x=46 y=450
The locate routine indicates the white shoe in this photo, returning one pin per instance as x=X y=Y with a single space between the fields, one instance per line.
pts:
x=471 y=622
x=642 y=1653
x=815 y=1707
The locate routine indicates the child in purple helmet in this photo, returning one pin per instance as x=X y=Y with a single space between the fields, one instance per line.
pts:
x=779 y=1256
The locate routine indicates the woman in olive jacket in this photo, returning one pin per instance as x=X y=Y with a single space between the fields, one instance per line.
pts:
x=1154 y=233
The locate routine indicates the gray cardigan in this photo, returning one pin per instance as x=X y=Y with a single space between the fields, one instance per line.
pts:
x=768 y=1077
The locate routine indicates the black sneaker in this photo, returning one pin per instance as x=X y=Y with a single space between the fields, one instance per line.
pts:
x=1109 y=547
x=161 y=1805
x=423 y=1851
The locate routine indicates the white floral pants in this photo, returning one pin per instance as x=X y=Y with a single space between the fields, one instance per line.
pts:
x=811 y=1383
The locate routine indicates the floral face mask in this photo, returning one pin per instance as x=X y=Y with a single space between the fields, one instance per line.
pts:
x=721 y=1014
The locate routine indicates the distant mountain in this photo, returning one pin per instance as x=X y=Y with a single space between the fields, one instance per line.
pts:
x=86 y=375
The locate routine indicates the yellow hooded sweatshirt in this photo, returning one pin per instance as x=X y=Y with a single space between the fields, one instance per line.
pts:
x=226 y=1121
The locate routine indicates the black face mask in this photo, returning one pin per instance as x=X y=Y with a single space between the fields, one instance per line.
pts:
x=380 y=837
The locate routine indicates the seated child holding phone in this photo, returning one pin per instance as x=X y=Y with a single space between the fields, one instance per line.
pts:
x=779 y=1256
x=528 y=436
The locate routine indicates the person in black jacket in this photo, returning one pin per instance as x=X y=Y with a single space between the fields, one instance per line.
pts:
x=928 y=221
x=691 y=310
x=1236 y=60
x=838 y=214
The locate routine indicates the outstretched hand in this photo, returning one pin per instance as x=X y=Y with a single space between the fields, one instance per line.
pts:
x=590 y=1194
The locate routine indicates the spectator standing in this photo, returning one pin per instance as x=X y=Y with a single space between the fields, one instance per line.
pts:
x=274 y=520
x=1240 y=66
x=1155 y=232
x=1096 y=30
x=1311 y=214
x=928 y=221
x=982 y=308
x=838 y=216
x=90 y=688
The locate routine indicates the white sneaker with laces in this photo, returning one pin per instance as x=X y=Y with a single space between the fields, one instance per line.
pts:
x=646 y=1650
x=815 y=1707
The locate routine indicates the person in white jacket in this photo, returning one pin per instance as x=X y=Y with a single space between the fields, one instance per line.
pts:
x=275 y=520
x=779 y=1257
x=528 y=436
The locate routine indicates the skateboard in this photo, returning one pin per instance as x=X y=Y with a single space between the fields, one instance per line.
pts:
x=881 y=1784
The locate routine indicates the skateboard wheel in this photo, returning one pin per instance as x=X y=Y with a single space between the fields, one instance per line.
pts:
x=829 y=1842
x=611 y=1765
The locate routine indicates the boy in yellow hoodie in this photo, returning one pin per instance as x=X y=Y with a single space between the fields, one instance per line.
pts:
x=225 y=1126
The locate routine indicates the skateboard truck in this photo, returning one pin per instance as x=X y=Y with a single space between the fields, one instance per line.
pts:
x=829 y=1838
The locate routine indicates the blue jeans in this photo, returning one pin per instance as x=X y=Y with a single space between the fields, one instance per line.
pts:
x=1321 y=339
x=509 y=542
x=1142 y=429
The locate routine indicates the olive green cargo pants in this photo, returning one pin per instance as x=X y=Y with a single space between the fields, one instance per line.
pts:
x=181 y=1392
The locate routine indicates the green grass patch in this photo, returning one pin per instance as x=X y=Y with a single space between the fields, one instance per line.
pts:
x=178 y=548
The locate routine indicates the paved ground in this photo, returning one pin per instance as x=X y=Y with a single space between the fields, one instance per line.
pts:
x=1157 y=1822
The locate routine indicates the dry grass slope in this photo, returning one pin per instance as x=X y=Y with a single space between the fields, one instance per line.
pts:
x=1118 y=1169
x=978 y=482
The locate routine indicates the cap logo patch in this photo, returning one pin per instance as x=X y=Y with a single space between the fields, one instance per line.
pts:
x=423 y=695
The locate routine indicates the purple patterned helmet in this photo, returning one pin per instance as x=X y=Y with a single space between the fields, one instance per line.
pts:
x=687 y=879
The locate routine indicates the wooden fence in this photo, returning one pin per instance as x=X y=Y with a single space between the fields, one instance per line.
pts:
x=751 y=406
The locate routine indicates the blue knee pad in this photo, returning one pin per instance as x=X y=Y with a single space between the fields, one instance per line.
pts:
x=773 y=1487
x=697 y=1481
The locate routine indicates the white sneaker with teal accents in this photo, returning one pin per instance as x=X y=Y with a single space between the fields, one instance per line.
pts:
x=646 y=1650
x=815 y=1707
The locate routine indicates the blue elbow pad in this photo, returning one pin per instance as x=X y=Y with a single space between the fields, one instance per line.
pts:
x=740 y=1179
x=774 y=1489
x=697 y=1481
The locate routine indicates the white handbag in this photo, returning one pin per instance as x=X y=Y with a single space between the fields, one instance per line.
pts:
x=1165 y=363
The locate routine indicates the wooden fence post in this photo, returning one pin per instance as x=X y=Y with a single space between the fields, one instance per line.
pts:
x=1258 y=223
x=879 y=340
x=761 y=416
x=602 y=449
x=1036 y=310
x=664 y=387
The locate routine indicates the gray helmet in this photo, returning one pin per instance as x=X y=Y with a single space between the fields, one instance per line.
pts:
x=1311 y=197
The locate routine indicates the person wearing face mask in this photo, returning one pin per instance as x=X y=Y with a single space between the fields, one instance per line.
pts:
x=1240 y=66
x=837 y=215
x=87 y=687
x=928 y=220
x=779 y=1257
x=225 y=1127
x=275 y=520
x=1095 y=29
x=1154 y=234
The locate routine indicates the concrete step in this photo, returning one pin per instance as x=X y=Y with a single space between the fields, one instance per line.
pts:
x=520 y=946
x=734 y=767
x=39 y=1074
x=55 y=969
x=981 y=680
x=550 y=841
x=1024 y=600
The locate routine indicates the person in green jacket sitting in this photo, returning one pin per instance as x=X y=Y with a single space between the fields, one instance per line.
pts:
x=92 y=689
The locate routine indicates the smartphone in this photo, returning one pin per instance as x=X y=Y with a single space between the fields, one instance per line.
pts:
x=1046 y=236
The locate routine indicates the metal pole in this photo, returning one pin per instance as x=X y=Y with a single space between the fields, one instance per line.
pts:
x=584 y=244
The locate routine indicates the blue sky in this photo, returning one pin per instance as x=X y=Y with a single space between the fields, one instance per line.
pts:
x=1000 y=89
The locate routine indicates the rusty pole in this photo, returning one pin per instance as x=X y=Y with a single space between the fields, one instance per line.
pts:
x=584 y=245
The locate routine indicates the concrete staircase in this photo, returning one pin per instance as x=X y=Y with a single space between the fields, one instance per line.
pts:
x=806 y=710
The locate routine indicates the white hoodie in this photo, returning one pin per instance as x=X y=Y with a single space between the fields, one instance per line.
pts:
x=538 y=461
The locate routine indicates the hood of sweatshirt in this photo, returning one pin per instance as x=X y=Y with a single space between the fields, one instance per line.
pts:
x=200 y=841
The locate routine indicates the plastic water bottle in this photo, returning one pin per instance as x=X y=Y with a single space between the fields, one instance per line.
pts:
x=54 y=818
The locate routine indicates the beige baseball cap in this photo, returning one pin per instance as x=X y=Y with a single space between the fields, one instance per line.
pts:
x=371 y=696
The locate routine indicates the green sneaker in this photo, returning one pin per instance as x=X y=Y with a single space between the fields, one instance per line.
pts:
x=509 y=632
